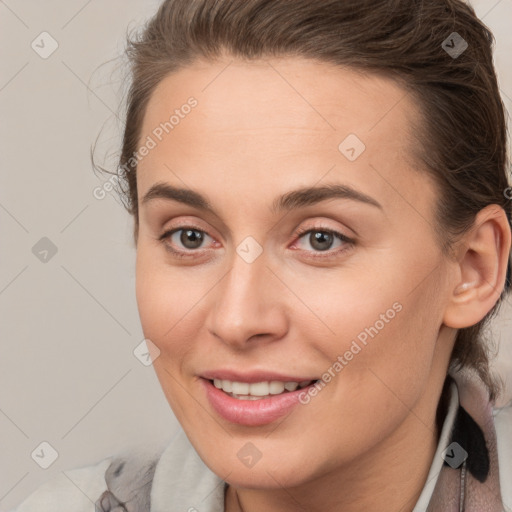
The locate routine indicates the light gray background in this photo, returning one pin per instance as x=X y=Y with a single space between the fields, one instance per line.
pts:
x=69 y=326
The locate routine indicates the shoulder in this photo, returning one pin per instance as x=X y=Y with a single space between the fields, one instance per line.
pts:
x=503 y=425
x=124 y=477
x=75 y=489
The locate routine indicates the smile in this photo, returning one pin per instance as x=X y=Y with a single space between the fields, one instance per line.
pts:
x=255 y=403
x=258 y=390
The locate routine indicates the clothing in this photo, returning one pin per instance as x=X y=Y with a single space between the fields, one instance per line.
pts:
x=176 y=479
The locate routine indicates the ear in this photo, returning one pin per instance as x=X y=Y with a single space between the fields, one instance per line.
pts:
x=481 y=268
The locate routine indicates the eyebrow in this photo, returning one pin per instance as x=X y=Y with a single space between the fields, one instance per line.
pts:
x=294 y=199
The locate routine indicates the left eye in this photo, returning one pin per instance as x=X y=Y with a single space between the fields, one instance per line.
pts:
x=323 y=239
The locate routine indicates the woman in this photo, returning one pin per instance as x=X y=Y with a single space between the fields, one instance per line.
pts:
x=322 y=231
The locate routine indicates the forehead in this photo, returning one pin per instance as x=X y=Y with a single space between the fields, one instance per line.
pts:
x=286 y=93
x=277 y=120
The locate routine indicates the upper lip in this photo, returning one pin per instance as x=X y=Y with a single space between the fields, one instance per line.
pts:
x=251 y=376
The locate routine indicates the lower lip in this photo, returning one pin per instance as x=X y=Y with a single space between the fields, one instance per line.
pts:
x=252 y=413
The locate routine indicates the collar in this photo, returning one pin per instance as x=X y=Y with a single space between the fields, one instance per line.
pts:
x=437 y=461
x=182 y=482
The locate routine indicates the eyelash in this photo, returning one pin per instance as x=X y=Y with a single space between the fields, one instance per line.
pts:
x=178 y=254
x=299 y=234
x=330 y=253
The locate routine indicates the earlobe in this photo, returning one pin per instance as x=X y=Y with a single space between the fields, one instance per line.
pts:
x=482 y=267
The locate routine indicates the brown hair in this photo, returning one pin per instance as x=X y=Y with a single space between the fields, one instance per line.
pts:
x=461 y=142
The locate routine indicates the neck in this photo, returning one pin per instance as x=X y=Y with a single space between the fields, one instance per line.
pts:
x=368 y=482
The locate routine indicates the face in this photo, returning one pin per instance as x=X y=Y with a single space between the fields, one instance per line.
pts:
x=296 y=253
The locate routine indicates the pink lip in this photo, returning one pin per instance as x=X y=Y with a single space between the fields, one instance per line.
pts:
x=252 y=413
x=252 y=376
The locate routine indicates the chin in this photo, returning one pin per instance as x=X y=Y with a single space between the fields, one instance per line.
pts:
x=266 y=477
x=274 y=471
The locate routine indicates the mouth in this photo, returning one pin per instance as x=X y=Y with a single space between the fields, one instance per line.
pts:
x=258 y=390
x=255 y=403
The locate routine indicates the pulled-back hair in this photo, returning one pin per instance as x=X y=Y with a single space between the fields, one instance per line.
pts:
x=461 y=141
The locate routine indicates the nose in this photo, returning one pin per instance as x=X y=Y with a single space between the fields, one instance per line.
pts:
x=248 y=305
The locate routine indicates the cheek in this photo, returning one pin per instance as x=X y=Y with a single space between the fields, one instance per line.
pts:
x=166 y=302
x=377 y=330
x=165 y=306
x=366 y=302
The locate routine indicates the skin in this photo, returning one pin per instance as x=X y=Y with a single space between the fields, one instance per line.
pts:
x=261 y=129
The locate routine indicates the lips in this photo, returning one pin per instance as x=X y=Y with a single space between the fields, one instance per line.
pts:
x=253 y=399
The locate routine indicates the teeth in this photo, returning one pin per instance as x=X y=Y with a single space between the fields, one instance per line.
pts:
x=239 y=388
x=227 y=385
x=291 y=386
x=259 y=389
x=276 y=387
x=254 y=390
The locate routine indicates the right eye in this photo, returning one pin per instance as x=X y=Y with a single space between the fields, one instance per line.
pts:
x=188 y=237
